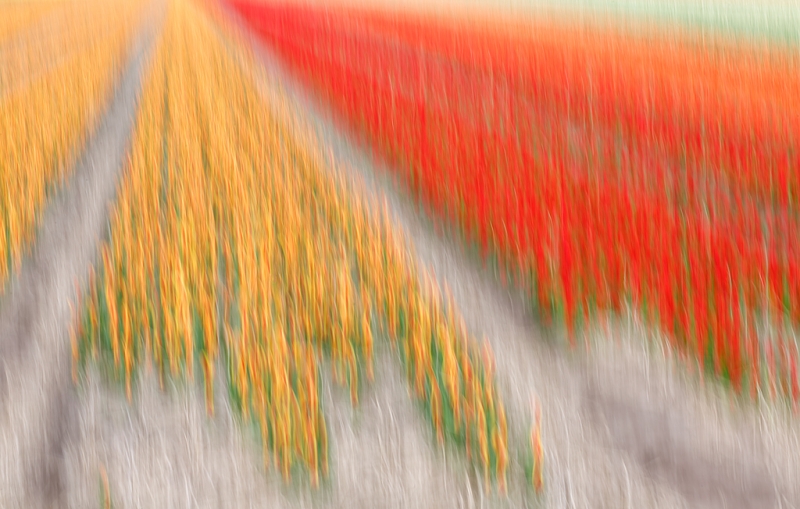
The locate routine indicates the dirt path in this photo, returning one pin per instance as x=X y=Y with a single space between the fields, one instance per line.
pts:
x=165 y=451
x=622 y=426
x=37 y=401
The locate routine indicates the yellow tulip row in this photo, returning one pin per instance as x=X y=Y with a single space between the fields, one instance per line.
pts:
x=232 y=242
x=73 y=28
x=44 y=122
x=15 y=17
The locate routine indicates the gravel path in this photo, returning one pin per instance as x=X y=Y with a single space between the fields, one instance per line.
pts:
x=623 y=426
x=37 y=401
x=165 y=451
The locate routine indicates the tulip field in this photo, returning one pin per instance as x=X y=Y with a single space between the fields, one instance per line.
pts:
x=224 y=223
x=598 y=168
x=266 y=265
x=18 y=17
x=49 y=102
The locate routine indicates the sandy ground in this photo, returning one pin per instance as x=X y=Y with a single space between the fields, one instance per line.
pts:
x=37 y=400
x=623 y=426
x=164 y=451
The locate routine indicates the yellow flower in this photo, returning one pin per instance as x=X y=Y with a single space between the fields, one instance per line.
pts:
x=245 y=187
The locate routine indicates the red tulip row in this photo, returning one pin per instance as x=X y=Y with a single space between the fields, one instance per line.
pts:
x=587 y=202
x=741 y=121
x=729 y=106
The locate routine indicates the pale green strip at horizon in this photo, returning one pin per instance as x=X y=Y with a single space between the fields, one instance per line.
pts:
x=776 y=22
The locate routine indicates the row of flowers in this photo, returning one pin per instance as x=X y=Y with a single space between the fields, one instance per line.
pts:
x=587 y=194
x=236 y=243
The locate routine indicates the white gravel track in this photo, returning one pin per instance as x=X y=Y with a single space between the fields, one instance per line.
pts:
x=37 y=400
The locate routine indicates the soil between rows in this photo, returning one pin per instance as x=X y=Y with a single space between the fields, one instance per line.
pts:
x=38 y=404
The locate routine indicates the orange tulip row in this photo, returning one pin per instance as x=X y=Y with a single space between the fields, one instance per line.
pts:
x=46 y=114
x=16 y=17
x=233 y=241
